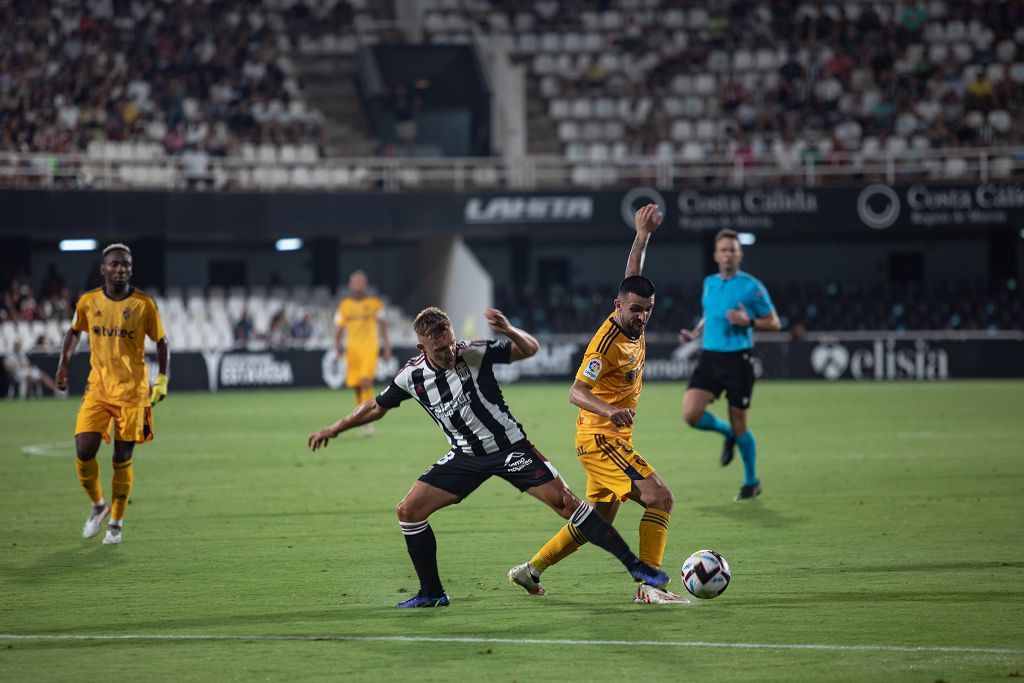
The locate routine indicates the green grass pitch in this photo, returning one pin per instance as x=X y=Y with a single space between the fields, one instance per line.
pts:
x=893 y=517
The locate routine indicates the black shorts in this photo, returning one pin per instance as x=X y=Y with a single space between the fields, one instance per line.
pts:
x=521 y=465
x=731 y=372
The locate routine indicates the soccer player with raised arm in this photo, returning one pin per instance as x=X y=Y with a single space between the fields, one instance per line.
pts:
x=735 y=304
x=606 y=390
x=118 y=318
x=361 y=315
x=454 y=382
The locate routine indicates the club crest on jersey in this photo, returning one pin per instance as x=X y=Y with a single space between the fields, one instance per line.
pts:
x=631 y=375
x=127 y=313
x=593 y=369
x=462 y=370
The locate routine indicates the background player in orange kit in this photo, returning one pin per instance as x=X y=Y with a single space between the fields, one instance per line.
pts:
x=361 y=315
x=118 y=318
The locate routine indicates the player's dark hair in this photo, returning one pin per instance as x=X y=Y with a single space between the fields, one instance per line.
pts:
x=726 y=235
x=636 y=284
x=431 y=323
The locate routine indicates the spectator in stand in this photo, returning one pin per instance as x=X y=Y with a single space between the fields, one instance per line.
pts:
x=25 y=376
x=243 y=330
x=278 y=334
x=302 y=331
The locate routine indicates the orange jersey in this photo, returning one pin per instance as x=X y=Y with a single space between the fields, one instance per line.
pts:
x=359 y=318
x=117 y=341
x=612 y=367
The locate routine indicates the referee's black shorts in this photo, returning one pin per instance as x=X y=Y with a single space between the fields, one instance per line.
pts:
x=728 y=371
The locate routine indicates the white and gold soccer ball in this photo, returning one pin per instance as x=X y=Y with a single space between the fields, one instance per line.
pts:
x=706 y=574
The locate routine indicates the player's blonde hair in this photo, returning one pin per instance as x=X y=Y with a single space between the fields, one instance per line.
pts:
x=115 y=246
x=431 y=323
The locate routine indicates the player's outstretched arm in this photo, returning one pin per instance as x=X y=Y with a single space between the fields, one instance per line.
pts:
x=71 y=339
x=366 y=412
x=647 y=219
x=524 y=344
x=582 y=396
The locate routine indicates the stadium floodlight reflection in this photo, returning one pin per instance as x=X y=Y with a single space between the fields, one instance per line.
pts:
x=747 y=238
x=288 y=244
x=78 y=245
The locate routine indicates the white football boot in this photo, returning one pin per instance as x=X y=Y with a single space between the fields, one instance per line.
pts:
x=113 y=536
x=97 y=514
x=522 y=575
x=649 y=595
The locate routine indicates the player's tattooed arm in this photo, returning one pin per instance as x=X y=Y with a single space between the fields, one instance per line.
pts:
x=582 y=396
x=647 y=219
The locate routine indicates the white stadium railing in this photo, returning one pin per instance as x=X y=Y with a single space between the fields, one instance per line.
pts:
x=124 y=166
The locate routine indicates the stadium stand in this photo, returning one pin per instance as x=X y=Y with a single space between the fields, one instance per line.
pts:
x=234 y=95
x=828 y=83
x=197 y=319
x=803 y=306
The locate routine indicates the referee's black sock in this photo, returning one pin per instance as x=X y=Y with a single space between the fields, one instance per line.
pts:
x=598 y=531
x=422 y=547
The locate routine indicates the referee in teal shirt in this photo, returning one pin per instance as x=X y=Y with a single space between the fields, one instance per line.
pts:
x=735 y=304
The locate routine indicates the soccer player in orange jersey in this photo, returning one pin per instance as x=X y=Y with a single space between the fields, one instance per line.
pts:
x=606 y=390
x=118 y=318
x=361 y=315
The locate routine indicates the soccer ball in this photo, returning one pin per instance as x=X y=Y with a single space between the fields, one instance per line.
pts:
x=706 y=574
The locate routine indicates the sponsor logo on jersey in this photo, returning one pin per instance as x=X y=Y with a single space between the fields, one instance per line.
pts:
x=98 y=331
x=593 y=369
x=451 y=407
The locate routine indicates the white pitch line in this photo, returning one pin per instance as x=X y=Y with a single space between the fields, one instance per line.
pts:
x=523 y=641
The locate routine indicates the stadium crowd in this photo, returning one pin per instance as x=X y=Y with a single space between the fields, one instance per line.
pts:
x=185 y=77
x=761 y=79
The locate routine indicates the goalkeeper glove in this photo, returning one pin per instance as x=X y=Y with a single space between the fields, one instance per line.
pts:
x=159 y=390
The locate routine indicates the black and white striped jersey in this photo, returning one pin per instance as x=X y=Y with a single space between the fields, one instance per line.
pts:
x=466 y=401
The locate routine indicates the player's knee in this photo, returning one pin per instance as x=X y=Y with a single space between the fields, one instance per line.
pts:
x=408 y=511
x=663 y=499
x=569 y=503
x=692 y=416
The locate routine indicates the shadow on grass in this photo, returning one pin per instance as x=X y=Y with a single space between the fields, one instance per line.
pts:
x=89 y=557
x=754 y=513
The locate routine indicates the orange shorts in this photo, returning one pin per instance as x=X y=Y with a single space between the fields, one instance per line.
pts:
x=360 y=365
x=612 y=466
x=131 y=423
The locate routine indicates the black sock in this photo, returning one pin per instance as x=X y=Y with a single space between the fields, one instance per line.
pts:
x=422 y=546
x=598 y=531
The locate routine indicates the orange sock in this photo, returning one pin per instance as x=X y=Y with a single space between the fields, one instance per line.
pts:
x=563 y=544
x=122 y=488
x=89 y=477
x=653 y=536
x=363 y=395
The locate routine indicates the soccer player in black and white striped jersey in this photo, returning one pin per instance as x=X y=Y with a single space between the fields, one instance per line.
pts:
x=453 y=381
